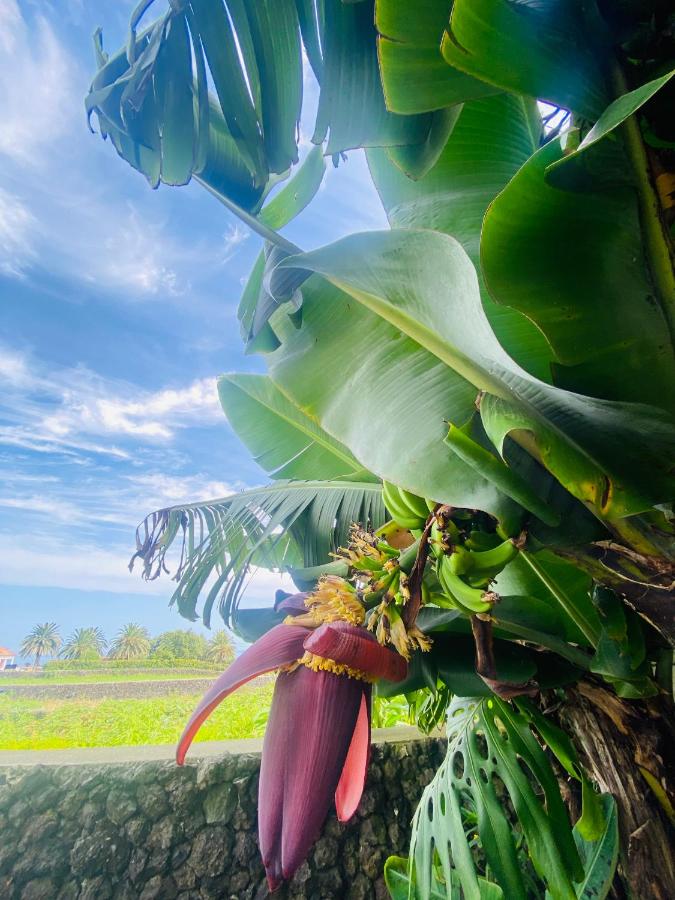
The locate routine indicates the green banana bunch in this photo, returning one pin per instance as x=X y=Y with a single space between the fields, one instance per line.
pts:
x=406 y=509
x=467 y=599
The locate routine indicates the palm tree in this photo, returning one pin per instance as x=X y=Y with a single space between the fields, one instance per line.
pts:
x=132 y=642
x=221 y=649
x=84 y=643
x=44 y=640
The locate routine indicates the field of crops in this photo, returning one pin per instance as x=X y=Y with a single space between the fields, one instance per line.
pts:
x=60 y=724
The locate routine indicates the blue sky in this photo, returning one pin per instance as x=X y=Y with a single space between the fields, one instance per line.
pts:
x=117 y=313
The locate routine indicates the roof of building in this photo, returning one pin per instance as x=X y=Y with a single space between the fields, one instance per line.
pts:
x=5 y=652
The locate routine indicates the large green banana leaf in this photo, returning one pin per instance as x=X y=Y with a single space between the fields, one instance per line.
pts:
x=540 y=48
x=285 y=525
x=575 y=263
x=154 y=99
x=492 y=139
x=415 y=77
x=407 y=327
x=280 y=437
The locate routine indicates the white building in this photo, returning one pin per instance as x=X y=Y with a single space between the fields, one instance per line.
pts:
x=6 y=658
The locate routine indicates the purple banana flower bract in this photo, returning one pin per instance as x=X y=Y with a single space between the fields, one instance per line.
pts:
x=317 y=741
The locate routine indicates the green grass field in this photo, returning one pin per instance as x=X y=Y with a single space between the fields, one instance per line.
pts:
x=61 y=724
x=100 y=677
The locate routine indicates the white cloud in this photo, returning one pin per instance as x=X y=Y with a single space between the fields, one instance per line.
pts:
x=69 y=563
x=91 y=407
x=134 y=255
x=14 y=367
x=160 y=490
x=66 y=562
x=27 y=438
x=63 y=409
x=17 y=229
x=40 y=84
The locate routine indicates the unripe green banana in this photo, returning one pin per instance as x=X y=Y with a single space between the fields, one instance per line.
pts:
x=436 y=540
x=431 y=504
x=415 y=504
x=482 y=540
x=493 y=561
x=471 y=600
x=398 y=509
x=460 y=560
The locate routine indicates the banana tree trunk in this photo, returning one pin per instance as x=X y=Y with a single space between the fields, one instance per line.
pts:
x=626 y=748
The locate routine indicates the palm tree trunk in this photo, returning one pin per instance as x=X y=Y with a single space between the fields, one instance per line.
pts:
x=626 y=747
x=37 y=661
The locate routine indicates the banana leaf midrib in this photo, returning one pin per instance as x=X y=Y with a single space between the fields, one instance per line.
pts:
x=333 y=447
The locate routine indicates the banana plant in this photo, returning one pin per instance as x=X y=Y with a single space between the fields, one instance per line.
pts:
x=494 y=475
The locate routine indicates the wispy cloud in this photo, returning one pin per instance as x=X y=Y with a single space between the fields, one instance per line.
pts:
x=65 y=409
x=39 y=81
x=65 y=206
x=17 y=229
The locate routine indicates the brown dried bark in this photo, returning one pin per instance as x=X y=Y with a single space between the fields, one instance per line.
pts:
x=624 y=745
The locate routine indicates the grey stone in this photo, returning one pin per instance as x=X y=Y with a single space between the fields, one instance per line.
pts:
x=220 y=803
x=120 y=807
x=210 y=850
x=184 y=878
x=359 y=889
x=159 y=888
x=69 y=891
x=38 y=829
x=163 y=833
x=152 y=800
x=325 y=853
x=39 y=889
x=136 y=830
x=96 y=889
x=136 y=865
x=99 y=851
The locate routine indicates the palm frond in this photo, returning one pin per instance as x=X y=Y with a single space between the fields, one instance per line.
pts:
x=287 y=524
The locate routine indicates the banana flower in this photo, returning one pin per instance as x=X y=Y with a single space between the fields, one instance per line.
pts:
x=317 y=741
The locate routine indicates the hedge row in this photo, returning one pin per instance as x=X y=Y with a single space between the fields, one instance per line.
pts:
x=131 y=665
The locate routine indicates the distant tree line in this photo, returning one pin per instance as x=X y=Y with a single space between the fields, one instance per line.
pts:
x=132 y=642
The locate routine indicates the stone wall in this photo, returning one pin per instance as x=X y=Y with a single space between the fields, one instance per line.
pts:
x=153 y=831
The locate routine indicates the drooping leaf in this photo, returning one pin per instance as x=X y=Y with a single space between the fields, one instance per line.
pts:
x=492 y=753
x=351 y=104
x=541 y=49
x=285 y=524
x=599 y=310
x=489 y=143
x=173 y=89
x=281 y=438
x=599 y=857
x=297 y=193
x=620 y=656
